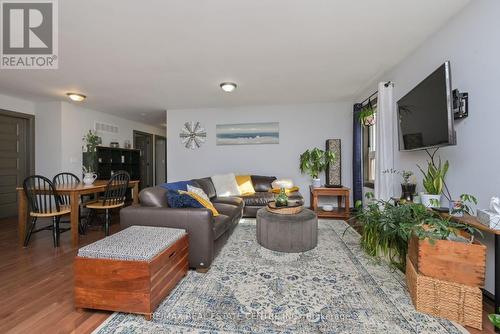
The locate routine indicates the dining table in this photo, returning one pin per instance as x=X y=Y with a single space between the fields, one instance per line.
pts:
x=74 y=191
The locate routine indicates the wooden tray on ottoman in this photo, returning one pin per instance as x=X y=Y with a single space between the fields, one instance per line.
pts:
x=131 y=281
x=292 y=208
x=452 y=301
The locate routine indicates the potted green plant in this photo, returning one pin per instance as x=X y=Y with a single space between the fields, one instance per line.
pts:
x=433 y=183
x=91 y=140
x=495 y=319
x=367 y=115
x=407 y=187
x=463 y=205
x=315 y=161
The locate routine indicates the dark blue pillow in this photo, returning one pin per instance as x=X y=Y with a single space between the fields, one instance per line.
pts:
x=176 y=200
x=180 y=185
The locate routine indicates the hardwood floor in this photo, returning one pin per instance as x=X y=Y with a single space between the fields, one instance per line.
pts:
x=36 y=285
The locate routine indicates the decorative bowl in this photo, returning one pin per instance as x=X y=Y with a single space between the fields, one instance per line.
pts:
x=327 y=207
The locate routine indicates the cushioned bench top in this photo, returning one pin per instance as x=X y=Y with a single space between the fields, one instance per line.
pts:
x=137 y=243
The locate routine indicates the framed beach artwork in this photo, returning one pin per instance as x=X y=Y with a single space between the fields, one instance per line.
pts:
x=248 y=133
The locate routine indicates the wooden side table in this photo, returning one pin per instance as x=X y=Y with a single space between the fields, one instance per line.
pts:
x=342 y=195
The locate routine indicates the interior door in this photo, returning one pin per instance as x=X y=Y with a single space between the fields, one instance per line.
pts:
x=160 y=159
x=144 y=142
x=13 y=162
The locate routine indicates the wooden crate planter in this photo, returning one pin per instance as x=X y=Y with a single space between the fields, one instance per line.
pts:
x=452 y=301
x=449 y=260
x=128 y=285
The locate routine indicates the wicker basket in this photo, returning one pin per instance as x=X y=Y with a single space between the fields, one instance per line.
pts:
x=292 y=209
x=453 y=301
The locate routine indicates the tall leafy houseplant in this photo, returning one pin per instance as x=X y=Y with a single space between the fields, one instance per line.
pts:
x=387 y=228
x=91 y=141
x=433 y=182
x=315 y=161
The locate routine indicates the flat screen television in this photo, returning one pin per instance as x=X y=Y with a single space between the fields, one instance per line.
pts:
x=426 y=113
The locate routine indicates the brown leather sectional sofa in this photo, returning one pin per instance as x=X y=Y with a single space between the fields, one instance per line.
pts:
x=207 y=234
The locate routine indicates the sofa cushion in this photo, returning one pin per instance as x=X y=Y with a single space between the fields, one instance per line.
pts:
x=207 y=186
x=221 y=224
x=236 y=201
x=228 y=209
x=262 y=183
x=225 y=185
x=154 y=196
x=258 y=199
x=177 y=200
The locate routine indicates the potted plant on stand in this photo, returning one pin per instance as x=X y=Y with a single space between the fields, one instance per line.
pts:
x=91 y=141
x=407 y=188
x=433 y=183
x=315 y=161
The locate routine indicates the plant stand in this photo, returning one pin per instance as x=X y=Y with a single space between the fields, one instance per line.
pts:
x=343 y=196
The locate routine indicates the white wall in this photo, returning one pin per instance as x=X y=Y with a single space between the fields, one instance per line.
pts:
x=77 y=121
x=11 y=103
x=470 y=42
x=48 y=138
x=301 y=127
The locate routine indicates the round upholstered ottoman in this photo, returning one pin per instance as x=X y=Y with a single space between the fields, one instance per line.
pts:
x=287 y=233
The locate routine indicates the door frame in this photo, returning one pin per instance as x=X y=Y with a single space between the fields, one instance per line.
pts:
x=151 y=151
x=30 y=137
x=165 y=139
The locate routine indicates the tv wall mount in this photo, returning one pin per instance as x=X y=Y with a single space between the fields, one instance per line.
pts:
x=460 y=104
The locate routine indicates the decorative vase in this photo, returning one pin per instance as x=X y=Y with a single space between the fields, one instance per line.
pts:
x=89 y=178
x=282 y=199
x=316 y=183
x=431 y=201
x=407 y=191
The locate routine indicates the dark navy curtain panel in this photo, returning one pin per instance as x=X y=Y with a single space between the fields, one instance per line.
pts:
x=357 y=159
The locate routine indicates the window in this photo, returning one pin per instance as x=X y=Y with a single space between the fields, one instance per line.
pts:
x=369 y=148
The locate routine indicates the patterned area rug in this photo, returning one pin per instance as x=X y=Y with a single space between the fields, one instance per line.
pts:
x=334 y=288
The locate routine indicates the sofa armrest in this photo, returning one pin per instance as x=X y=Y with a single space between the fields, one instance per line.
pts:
x=198 y=223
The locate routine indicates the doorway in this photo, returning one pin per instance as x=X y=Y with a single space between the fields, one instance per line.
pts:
x=17 y=135
x=144 y=143
x=160 y=159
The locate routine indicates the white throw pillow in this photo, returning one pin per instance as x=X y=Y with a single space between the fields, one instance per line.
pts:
x=282 y=183
x=225 y=185
x=199 y=192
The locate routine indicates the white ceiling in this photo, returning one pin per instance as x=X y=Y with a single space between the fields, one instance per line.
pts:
x=138 y=58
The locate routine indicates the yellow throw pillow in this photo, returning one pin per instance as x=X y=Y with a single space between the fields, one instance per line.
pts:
x=289 y=190
x=202 y=201
x=245 y=184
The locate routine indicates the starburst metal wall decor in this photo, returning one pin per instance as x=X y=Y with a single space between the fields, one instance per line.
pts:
x=193 y=135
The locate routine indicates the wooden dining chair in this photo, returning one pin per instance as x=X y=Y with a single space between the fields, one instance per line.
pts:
x=44 y=202
x=68 y=179
x=114 y=197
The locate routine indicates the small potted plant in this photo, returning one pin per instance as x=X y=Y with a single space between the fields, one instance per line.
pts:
x=433 y=183
x=91 y=140
x=407 y=188
x=367 y=115
x=461 y=206
x=315 y=161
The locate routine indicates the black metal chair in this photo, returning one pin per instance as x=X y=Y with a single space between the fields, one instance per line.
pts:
x=68 y=179
x=44 y=202
x=114 y=197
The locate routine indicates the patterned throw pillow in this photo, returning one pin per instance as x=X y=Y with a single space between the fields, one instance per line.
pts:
x=225 y=185
x=177 y=200
x=179 y=185
x=198 y=191
x=205 y=203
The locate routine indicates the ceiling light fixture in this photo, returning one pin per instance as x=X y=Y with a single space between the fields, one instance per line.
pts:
x=76 y=97
x=228 y=87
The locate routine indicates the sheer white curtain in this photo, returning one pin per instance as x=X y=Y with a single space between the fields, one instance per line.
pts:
x=384 y=154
